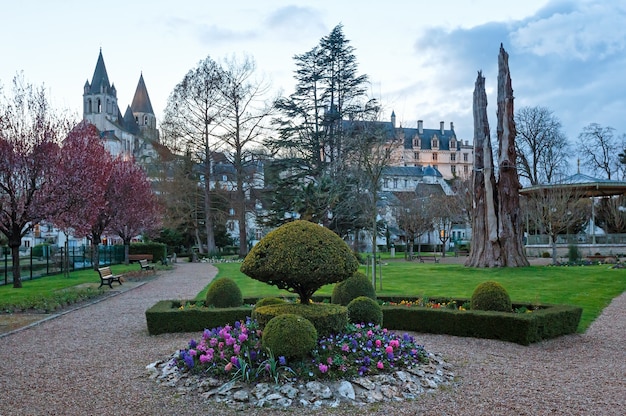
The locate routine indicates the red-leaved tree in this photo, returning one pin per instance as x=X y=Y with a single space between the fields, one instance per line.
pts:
x=29 y=133
x=80 y=180
x=132 y=201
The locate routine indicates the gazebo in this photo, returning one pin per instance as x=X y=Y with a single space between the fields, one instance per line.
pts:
x=585 y=186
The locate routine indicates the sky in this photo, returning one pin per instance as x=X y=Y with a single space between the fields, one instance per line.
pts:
x=421 y=57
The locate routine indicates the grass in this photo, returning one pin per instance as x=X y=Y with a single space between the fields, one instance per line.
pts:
x=36 y=292
x=590 y=287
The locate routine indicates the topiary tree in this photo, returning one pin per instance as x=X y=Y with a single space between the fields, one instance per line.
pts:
x=491 y=296
x=356 y=285
x=289 y=335
x=224 y=293
x=300 y=257
x=365 y=310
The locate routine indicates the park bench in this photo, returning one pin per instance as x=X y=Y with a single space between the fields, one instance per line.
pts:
x=137 y=257
x=461 y=253
x=145 y=265
x=428 y=258
x=107 y=277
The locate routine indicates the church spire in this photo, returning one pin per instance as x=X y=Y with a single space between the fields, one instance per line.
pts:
x=141 y=100
x=100 y=80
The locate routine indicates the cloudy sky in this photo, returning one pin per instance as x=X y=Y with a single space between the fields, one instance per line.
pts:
x=421 y=57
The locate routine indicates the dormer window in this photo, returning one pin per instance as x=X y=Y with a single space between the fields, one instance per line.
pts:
x=452 y=144
x=435 y=143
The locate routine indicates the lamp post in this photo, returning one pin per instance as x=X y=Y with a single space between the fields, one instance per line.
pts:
x=443 y=236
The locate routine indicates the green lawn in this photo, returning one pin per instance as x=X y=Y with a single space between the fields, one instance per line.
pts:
x=591 y=287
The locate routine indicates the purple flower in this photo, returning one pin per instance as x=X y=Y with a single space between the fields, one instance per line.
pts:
x=193 y=343
x=282 y=360
x=323 y=368
x=188 y=360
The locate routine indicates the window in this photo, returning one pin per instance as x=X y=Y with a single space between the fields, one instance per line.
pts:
x=452 y=144
x=434 y=156
x=231 y=211
x=416 y=143
x=395 y=183
x=406 y=183
x=465 y=157
x=465 y=169
x=453 y=169
x=416 y=155
x=435 y=143
x=386 y=183
x=452 y=157
x=99 y=106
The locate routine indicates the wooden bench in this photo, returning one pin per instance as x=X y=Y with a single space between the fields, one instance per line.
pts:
x=428 y=258
x=137 y=257
x=107 y=277
x=461 y=253
x=145 y=265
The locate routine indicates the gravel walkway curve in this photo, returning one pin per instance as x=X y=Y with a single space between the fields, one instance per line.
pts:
x=92 y=361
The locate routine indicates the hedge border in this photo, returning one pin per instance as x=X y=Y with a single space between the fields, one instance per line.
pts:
x=546 y=322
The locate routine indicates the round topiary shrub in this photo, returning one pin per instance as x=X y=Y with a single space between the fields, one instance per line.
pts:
x=289 y=335
x=356 y=285
x=268 y=301
x=224 y=293
x=364 y=310
x=491 y=296
x=327 y=319
x=300 y=257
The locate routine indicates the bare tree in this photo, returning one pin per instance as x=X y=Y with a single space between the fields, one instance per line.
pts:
x=598 y=148
x=190 y=121
x=611 y=214
x=541 y=145
x=445 y=211
x=413 y=218
x=557 y=210
x=245 y=110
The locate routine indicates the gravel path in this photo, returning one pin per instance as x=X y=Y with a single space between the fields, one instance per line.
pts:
x=92 y=361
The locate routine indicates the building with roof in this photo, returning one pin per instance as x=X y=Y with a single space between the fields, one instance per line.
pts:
x=132 y=134
x=438 y=148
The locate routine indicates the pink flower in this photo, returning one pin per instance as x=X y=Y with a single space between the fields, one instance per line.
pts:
x=389 y=349
x=236 y=349
x=213 y=342
x=205 y=358
x=228 y=367
x=243 y=337
x=345 y=348
x=378 y=343
x=192 y=352
x=394 y=343
x=220 y=346
x=230 y=341
x=323 y=368
x=370 y=333
x=329 y=360
x=380 y=365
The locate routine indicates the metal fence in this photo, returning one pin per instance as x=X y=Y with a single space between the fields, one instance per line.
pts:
x=40 y=261
x=533 y=240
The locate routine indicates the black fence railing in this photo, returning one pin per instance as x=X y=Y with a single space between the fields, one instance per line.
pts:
x=40 y=261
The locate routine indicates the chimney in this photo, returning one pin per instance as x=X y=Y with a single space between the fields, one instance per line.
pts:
x=452 y=126
x=420 y=127
x=441 y=123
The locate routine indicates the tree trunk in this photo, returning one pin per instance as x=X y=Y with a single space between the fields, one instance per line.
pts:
x=496 y=222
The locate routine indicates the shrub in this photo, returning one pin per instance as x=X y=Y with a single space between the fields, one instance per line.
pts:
x=268 y=301
x=289 y=335
x=545 y=255
x=356 y=285
x=327 y=319
x=491 y=296
x=365 y=310
x=300 y=257
x=573 y=254
x=224 y=293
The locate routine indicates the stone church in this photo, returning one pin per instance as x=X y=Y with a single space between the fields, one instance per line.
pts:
x=133 y=134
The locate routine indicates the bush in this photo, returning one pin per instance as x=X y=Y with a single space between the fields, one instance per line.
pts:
x=224 y=293
x=545 y=255
x=365 y=310
x=327 y=319
x=491 y=296
x=356 y=285
x=289 y=335
x=573 y=254
x=268 y=301
x=302 y=257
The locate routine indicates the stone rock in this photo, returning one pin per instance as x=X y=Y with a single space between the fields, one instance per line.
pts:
x=241 y=396
x=346 y=390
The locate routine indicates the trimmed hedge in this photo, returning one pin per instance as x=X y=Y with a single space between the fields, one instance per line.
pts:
x=328 y=319
x=165 y=317
x=549 y=321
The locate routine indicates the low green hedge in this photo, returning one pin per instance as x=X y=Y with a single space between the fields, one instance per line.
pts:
x=166 y=317
x=548 y=321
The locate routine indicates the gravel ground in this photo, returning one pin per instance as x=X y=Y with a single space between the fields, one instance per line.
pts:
x=92 y=361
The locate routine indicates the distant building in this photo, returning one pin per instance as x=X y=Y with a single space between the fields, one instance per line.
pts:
x=132 y=134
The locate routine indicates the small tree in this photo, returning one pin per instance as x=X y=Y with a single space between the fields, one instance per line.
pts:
x=300 y=257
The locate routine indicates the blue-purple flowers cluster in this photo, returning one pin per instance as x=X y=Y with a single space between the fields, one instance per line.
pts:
x=236 y=352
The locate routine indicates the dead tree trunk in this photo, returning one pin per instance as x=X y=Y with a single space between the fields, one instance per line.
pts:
x=496 y=234
x=485 y=248
x=510 y=231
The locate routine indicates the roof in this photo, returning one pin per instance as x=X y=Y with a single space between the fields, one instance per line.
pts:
x=587 y=185
x=100 y=77
x=141 y=100
x=412 y=171
x=130 y=124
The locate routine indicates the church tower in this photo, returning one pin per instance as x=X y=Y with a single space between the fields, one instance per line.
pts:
x=100 y=97
x=143 y=113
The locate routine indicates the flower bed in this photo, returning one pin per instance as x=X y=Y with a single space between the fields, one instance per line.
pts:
x=545 y=322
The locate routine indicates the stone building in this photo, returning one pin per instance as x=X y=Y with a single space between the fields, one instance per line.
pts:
x=132 y=134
